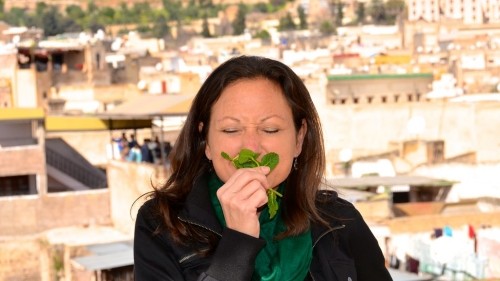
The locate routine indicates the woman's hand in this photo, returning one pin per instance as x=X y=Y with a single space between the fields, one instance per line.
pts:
x=241 y=196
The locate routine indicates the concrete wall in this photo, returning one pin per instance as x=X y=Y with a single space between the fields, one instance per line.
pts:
x=127 y=182
x=25 y=215
x=20 y=259
x=375 y=87
x=369 y=129
x=16 y=133
x=26 y=92
x=25 y=160
x=428 y=223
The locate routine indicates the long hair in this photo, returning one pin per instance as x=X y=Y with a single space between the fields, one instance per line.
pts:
x=188 y=160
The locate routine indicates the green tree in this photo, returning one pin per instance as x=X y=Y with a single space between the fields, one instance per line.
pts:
x=377 y=12
x=263 y=34
x=52 y=22
x=286 y=23
x=75 y=12
x=16 y=16
x=205 y=32
x=327 y=28
x=360 y=13
x=91 y=7
x=302 y=17
x=339 y=13
x=142 y=13
x=394 y=9
x=106 y=16
x=160 y=27
x=261 y=7
x=40 y=9
x=239 y=23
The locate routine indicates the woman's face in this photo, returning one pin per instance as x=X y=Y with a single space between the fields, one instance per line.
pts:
x=253 y=114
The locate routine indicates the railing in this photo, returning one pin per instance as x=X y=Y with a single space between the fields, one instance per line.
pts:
x=89 y=177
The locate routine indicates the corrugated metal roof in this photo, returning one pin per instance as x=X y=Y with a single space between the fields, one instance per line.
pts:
x=106 y=256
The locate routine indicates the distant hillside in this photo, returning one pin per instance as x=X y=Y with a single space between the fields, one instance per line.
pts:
x=62 y=4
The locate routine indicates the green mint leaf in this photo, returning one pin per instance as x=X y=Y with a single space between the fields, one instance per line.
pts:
x=246 y=155
x=248 y=159
x=271 y=160
x=272 y=203
x=226 y=156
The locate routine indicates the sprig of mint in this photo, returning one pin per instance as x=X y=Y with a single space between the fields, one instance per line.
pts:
x=248 y=159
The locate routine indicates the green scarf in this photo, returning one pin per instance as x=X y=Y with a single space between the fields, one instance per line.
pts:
x=287 y=259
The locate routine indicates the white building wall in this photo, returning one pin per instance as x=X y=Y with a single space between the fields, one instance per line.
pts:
x=492 y=10
x=469 y=11
x=26 y=89
x=427 y=10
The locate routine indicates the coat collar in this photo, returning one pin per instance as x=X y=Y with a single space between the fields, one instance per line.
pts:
x=326 y=201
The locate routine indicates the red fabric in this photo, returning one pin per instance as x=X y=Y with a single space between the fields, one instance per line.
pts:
x=472 y=232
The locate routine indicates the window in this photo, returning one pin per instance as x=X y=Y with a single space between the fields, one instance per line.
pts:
x=17 y=185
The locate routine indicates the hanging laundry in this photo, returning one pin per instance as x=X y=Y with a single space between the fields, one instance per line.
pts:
x=448 y=231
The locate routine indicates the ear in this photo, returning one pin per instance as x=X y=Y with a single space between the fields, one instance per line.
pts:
x=301 y=134
x=207 y=147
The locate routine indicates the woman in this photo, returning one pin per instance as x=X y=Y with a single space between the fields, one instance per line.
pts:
x=210 y=220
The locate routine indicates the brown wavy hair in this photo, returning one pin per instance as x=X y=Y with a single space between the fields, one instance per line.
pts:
x=188 y=160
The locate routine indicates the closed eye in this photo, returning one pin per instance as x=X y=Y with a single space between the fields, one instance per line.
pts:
x=230 y=131
x=271 y=130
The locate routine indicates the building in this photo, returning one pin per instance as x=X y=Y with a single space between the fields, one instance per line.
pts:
x=378 y=88
x=466 y=11
x=48 y=187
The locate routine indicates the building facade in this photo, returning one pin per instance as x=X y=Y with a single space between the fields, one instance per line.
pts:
x=466 y=11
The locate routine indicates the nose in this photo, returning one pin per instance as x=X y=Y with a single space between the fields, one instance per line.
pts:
x=251 y=140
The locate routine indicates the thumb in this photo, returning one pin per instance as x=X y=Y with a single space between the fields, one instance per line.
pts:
x=265 y=169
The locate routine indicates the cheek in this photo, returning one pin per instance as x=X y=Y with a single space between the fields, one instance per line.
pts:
x=280 y=173
x=223 y=168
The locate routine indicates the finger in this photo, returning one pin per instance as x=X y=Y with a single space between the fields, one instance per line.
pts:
x=250 y=190
x=242 y=177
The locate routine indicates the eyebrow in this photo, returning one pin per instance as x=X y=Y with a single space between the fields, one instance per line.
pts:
x=261 y=120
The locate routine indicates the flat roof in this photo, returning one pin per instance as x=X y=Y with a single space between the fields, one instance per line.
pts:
x=148 y=105
x=347 y=77
x=399 y=275
x=364 y=182
x=19 y=113
x=106 y=256
x=93 y=123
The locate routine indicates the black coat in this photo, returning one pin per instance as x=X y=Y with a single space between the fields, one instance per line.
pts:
x=347 y=251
